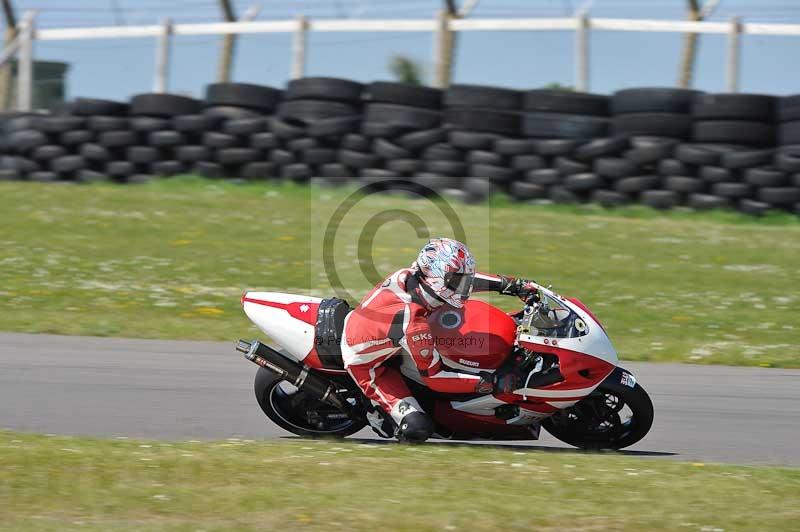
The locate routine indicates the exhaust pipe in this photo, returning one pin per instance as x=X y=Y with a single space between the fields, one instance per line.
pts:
x=293 y=372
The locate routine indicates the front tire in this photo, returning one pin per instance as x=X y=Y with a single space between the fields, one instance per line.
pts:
x=601 y=420
x=295 y=411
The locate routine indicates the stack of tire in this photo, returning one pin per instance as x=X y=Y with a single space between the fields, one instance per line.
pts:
x=22 y=137
x=48 y=147
x=229 y=136
x=559 y=123
x=661 y=147
x=401 y=140
x=786 y=190
x=8 y=171
x=149 y=145
x=733 y=140
x=315 y=116
x=476 y=118
x=654 y=120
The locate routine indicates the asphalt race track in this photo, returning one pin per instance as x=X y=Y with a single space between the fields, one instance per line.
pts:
x=204 y=390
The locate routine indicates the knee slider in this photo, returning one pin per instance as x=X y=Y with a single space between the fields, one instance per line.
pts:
x=415 y=427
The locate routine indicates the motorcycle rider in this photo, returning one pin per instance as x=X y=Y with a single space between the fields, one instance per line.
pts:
x=392 y=319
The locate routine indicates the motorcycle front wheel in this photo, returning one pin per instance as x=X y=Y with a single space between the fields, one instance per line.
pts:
x=296 y=411
x=614 y=416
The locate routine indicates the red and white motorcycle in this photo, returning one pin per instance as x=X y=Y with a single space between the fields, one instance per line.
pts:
x=575 y=388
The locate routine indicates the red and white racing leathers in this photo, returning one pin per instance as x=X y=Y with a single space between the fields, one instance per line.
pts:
x=387 y=322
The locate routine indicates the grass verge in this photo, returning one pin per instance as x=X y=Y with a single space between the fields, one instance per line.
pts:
x=62 y=483
x=170 y=259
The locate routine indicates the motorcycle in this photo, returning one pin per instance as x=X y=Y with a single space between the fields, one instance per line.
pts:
x=574 y=386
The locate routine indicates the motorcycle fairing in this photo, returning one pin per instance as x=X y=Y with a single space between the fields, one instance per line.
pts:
x=288 y=319
x=475 y=338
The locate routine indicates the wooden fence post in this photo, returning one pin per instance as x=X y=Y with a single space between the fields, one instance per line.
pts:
x=734 y=55
x=443 y=50
x=582 y=52
x=25 y=63
x=299 y=42
x=161 y=81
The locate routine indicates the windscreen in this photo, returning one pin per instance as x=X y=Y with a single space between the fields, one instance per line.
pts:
x=554 y=319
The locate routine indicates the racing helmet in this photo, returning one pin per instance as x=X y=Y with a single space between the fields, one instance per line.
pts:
x=446 y=269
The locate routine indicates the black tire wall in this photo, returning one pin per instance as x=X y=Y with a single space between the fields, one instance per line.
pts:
x=662 y=147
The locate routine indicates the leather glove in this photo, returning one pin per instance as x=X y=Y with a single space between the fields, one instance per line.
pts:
x=505 y=382
x=508 y=382
x=522 y=288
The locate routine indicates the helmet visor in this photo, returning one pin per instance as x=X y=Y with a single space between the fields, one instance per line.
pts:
x=459 y=283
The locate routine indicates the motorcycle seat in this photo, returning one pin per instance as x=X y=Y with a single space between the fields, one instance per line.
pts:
x=328 y=331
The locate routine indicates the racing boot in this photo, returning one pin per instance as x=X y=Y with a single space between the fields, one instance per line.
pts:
x=381 y=423
x=415 y=427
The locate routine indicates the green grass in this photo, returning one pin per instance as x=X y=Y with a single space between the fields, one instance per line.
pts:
x=62 y=483
x=171 y=258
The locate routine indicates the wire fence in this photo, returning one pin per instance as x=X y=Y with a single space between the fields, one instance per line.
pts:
x=439 y=28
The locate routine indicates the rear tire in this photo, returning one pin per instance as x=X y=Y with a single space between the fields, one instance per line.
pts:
x=580 y=425
x=294 y=411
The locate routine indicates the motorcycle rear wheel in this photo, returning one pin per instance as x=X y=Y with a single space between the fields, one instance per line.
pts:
x=295 y=411
x=598 y=422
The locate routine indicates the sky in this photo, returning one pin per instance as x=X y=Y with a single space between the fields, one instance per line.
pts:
x=119 y=68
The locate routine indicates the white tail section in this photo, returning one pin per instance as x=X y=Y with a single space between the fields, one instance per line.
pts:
x=287 y=319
